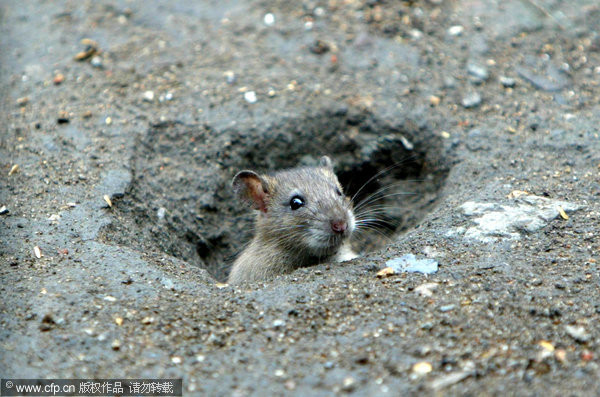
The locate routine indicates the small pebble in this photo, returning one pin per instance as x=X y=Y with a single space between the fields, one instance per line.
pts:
x=446 y=308
x=507 y=82
x=319 y=47
x=250 y=96
x=96 y=62
x=408 y=145
x=348 y=384
x=427 y=326
x=230 y=77
x=422 y=368
x=278 y=323
x=449 y=379
x=386 y=272
x=269 y=19
x=37 y=252
x=108 y=120
x=58 y=78
x=471 y=100
x=116 y=344
x=23 y=101
x=479 y=72
x=148 y=96
x=91 y=48
x=176 y=360
x=578 y=333
x=587 y=355
x=279 y=373
x=13 y=169
x=456 y=30
x=416 y=34
x=560 y=355
x=426 y=289
x=290 y=385
x=63 y=117
x=3 y=210
x=107 y=200
x=48 y=322
x=161 y=213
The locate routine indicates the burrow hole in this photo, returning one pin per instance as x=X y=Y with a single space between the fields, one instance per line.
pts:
x=180 y=200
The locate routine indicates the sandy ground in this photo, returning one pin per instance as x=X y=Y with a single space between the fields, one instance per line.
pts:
x=117 y=222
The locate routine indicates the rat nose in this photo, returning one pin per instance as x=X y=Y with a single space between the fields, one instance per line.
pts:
x=339 y=226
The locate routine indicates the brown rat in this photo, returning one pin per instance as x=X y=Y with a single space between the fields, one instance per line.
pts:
x=303 y=219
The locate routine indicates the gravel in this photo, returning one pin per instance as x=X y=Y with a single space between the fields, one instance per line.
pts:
x=119 y=291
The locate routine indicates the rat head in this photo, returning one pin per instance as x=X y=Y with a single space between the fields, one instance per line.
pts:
x=301 y=209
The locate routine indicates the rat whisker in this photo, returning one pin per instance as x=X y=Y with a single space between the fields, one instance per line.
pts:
x=400 y=183
x=361 y=234
x=385 y=170
x=377 y=196
x=375 y=210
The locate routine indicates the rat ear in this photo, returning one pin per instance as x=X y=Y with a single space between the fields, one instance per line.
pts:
x=326 y=162
x=248 y=185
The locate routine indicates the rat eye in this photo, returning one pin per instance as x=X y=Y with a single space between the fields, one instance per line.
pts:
x=338 y=192
x=296 y=202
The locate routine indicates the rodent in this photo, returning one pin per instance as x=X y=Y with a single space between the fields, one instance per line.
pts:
x=303 y=218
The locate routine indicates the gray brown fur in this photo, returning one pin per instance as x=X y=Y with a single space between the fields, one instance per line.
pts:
x=287 y=239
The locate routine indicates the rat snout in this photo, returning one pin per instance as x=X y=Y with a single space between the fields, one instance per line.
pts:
x=339 y=226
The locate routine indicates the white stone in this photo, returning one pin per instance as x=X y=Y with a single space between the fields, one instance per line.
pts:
x=525 y=214
x=456 y=30
x=148 y=96
x=250 y=96
x=269 y=19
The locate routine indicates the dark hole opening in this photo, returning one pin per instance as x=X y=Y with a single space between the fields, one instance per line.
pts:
x=207 y=226
x=379 y=188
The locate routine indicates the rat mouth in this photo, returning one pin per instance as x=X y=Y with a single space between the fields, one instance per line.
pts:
x=322 y=243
